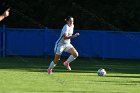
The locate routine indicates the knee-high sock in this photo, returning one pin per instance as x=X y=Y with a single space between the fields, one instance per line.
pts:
x=52 y=65
x=70 y=59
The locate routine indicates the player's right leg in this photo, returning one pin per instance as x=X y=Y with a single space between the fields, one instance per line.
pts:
x=53 y=63
x=58 y=51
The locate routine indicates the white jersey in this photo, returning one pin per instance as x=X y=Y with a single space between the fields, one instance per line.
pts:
x=65 y=30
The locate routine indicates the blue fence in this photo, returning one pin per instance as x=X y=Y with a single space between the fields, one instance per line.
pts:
x=40 y=42
x=24 y=42
x=121 y=45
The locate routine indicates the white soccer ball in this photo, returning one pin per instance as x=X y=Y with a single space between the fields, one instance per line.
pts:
x=101 y=72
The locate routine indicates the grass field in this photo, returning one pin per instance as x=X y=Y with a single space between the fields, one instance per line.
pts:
x=29 y=75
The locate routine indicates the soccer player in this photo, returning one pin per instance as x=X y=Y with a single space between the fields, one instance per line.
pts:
x=5 y=14
x=63 y=45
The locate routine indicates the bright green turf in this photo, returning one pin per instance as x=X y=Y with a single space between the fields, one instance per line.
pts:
x=30 y=76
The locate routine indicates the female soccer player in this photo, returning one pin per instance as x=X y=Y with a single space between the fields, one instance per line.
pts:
x=5 y=14
x=63 y=44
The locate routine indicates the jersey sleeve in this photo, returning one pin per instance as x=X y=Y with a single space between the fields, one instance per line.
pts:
x=65 y=29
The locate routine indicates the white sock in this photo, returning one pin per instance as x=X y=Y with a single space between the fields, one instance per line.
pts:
x=52 y=65
x=70 y=59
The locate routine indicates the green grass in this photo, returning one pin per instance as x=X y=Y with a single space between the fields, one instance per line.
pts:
x=29 y=75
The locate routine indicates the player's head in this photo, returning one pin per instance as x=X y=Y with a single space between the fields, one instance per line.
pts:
x=69 y=20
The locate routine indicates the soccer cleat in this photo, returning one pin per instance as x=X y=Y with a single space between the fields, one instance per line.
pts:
x=67 y=65
x=49 y=71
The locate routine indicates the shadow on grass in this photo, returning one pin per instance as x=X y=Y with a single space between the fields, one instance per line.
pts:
x=78 y=66
x=71 y=91
x=125 y=77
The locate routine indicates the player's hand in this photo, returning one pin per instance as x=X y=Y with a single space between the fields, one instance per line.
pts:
x=76 y=34
x=6 y=13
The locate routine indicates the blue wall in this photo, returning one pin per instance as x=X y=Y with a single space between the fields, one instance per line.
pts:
x=121 y=45
x=51 y=36
x=104 y=44
x=89 y=44
x=25 y=42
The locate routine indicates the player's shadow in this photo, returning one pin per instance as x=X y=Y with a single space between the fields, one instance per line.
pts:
x=118 y=76
x=22 y=63
x=78 y=66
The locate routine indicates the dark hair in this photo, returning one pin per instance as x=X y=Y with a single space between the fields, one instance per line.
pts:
x=67 y=18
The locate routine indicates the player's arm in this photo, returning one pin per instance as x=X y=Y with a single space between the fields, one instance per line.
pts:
x=66 y=36
x=5 y=14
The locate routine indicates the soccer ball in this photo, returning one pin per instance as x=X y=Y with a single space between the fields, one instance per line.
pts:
x=101 y=72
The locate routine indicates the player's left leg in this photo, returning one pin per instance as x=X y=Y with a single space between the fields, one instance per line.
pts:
x=72 y=57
